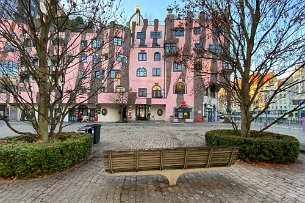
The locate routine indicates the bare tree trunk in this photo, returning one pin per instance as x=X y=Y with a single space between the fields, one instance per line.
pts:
x=245 y=122
x=245 y=111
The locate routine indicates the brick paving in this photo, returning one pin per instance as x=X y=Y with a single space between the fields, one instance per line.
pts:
x=87 y=182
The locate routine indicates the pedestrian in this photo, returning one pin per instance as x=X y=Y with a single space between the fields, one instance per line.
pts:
x=80 y=117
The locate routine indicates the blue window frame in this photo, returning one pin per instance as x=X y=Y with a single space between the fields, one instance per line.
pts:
x=157 y=56
x=121 y=58
x=83 y=43
x=179 y=32
x=156 y=71
x=70 y=58
x=115 y=74
x=155 y=35
x=140 y=35
x=97 y=74
x=8 y=68
x=197 y=30
x=96 y=43
x=168 y=47
x=83 y=58
x=215 y=48
x=9 y=47
x=117 y=41
x=96 y=59
x=177 y=67
x=141 y=72
x=198 y=45
x=142 y=56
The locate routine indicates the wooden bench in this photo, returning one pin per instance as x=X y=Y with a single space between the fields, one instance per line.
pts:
x=170 y=163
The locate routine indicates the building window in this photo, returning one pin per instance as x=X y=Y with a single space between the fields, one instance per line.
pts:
x=140 y=35
x=179 y=32
x=142 y=56
x=155 y=35
x=197 y=30
x=81 y=74
x=58 y=41
x=215 y=48
x=70 y=58
x=142 y=92
x=177 y=67
x=198 y=45
x=121 y=58
x=83 y=58
x=179 y=88
x=156 y=92
x=141 y=72
x=28 y=43
x=168 y=47
x=35 y=62
x=97 y=74
x=83 y=43
x=156 y=71
x=115 y=74
x=9 y=47
x=102 y=89
x=96 y=59
x=96 y=43
x=142 y=45
x=156 y=45
x=55 y=61
x=183 y=112
x=157 y=56
x=9 y=68
x=120 y=89
x=117 y=41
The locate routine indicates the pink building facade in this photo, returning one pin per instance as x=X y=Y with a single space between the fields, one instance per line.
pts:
x=151 y=61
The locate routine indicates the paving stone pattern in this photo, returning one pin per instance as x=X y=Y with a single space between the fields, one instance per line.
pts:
x=88 y=182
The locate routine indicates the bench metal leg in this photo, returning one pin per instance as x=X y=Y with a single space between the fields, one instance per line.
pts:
x=172 y=176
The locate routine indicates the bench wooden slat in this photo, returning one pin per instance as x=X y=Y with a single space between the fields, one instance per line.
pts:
x=168 y=159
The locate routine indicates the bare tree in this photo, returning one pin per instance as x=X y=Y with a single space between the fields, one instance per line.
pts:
x=253 y=38
x=50 y=41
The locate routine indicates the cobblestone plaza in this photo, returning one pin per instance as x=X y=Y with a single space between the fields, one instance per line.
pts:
x=88 y=182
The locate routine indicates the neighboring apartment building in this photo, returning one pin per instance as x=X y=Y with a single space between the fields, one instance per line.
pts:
x=143 y=61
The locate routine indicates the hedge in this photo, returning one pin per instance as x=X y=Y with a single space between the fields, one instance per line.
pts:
x=22 y=157
x=260 y=146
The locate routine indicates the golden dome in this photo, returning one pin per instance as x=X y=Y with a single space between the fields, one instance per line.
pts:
x=138 y=8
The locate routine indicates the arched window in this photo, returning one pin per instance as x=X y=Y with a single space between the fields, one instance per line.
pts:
x=8 y=68
x=157 y=56
x=141 y=72
x=179 y=88
x=156 y=91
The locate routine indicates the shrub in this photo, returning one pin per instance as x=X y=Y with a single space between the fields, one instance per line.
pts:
x=260 y=146
x=23 y=158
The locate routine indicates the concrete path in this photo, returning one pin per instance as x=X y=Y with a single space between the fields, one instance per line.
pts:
x=88 y=182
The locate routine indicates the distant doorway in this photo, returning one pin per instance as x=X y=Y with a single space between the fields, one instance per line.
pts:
x=142 y=112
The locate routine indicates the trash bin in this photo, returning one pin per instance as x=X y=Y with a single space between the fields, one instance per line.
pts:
x=94 y=130
x=97 y=133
